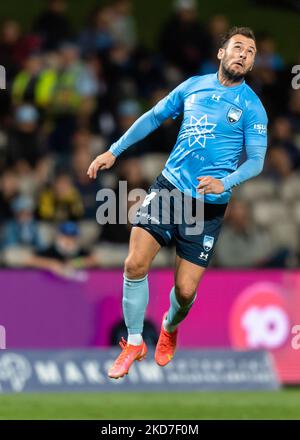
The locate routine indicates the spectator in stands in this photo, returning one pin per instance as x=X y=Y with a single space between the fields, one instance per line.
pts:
x=60 y=201
x=266 y=76
x=15 y=47
x=122 y=25
x=119 y=69
x=86 y=187
x=128 y=111
x=9 y=190
x=241 y=244
x=25 y=142
x=282 y=136
x=217 y=26
x=10 y=47
x=183 y=40
x=131 y=171
x=53 y=25
x=267 y=57
x=97 y=36
x=34 y=84
x=279 y=165
x=66 y=255
x=75 y=90
x=85 y=139
x=22 y=230
x=108 y=26
x=294 y=112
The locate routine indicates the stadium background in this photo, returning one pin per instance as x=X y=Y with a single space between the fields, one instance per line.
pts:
x=76 y=79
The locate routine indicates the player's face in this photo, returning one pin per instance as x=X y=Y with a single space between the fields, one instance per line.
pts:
x=237 y=58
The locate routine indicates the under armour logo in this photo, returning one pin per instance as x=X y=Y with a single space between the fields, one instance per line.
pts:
x=216 y=97
x=203 y=256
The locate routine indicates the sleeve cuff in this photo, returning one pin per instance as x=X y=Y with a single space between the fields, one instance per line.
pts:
x=113 y=149
x=226 y=183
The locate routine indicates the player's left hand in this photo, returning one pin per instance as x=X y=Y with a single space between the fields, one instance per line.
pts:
x=209 y=185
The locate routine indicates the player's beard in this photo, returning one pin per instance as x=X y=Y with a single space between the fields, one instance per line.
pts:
x=230 y=75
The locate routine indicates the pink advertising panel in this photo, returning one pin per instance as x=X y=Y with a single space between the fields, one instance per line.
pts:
x=234 y=309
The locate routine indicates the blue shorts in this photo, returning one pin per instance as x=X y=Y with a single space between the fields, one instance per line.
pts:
x=193 y=224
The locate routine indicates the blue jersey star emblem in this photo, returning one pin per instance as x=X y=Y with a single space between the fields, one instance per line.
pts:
x=200 y=130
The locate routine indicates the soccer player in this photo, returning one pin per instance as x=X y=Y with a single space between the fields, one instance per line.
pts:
x=221 y=116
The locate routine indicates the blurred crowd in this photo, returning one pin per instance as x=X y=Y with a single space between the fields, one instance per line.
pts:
x=70 y=95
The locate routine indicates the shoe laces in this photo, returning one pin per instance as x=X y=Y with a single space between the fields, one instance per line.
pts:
x=123 y=343
x=164 y=343
x=123 y=355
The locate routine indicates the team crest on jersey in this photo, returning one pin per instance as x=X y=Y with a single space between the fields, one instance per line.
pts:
x=208 y=242
x=234 y=114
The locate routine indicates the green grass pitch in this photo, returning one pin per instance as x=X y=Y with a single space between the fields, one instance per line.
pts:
x=283 y=404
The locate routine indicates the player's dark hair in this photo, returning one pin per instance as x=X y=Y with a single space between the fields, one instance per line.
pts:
x=245 y=31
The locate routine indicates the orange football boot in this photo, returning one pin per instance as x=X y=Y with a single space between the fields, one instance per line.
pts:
x=129 y=354
x=166 y=345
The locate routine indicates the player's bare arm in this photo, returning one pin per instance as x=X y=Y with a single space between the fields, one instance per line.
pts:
x=102 y=162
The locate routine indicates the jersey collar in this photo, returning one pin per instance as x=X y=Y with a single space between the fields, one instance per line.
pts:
x=227 y=87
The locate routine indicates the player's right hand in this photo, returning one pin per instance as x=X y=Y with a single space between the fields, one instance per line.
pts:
x=102 y=162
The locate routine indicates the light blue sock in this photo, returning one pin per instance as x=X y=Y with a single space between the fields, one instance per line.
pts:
x=176 y=312
x=135 y=300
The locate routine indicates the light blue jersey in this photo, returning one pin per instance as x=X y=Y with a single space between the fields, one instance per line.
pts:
x=218 y=121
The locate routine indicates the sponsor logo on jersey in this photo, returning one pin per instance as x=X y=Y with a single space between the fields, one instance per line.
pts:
x=199 y=130
x=261 y=128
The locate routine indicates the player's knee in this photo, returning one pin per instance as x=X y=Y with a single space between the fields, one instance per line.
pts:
x=135 y=268
x=185 y=293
